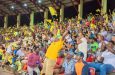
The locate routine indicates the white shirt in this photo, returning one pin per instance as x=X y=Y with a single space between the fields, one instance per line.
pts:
x=109 y=58
x=83 y=45
x=20 y=53
x=68 y=38
x=104 y=33
x=9 y=49
x=101 y=43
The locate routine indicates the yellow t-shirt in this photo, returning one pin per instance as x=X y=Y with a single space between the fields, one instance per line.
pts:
x=53 y=49
x=1 y=51
x=78 y=67
x=19 y=65
x=10 y=59
x=93 y=26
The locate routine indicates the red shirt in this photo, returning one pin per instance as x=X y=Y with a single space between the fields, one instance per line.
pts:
x=59 y=60
x=87 y=23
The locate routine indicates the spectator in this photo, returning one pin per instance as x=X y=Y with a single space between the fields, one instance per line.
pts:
x=81 y=67
x=68 y=65
x=33 y=62
x=82 y=45
x=104 y=65
x=94 y=45
x=52 y=53
x=59 y=63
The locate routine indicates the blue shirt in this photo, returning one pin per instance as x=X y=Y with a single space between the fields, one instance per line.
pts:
x=68 y=66
x=15 y=51
x=72 y=50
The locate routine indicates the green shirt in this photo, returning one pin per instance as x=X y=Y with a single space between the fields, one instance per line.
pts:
x=94 y=46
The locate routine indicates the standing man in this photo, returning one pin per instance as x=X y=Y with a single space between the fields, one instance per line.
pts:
x=82 y=44
x=52 y=53
x=33 y=62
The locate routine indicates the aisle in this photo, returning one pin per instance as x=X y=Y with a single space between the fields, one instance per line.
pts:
x=4 y=73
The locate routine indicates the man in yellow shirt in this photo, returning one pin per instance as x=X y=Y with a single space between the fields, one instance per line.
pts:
x=52 y=54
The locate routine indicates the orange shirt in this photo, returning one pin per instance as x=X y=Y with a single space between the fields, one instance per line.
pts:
x=78 y=67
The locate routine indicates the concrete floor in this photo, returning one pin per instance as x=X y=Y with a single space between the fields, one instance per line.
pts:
x=2 y=72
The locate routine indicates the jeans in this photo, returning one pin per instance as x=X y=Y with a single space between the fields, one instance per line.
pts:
x=102 y=68
x=36 y=69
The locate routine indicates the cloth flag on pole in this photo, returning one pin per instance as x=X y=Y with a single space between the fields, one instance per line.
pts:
x=53 y=11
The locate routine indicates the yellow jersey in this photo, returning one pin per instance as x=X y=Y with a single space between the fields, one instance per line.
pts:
x=1 y=51
x=53 y=49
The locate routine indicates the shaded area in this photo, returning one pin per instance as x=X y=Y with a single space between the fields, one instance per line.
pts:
x=12 y=21
x=70 y=12
x=25 y=20
x=89 y=7
x=2 y=21
x=111 y=5
x=38 y=17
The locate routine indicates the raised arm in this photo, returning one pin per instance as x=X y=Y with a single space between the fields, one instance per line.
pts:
x=66 y=31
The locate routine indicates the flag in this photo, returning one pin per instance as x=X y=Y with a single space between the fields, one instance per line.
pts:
x=98 y=10
x=53 y=11
x=52 y=27
x=93 y=26
x=48 y=21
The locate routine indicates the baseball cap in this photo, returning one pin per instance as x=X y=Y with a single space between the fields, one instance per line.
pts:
x=61 y=52
x=70 y=53
x=80 y=54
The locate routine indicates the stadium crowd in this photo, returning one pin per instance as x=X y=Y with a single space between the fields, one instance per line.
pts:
x=72 y=47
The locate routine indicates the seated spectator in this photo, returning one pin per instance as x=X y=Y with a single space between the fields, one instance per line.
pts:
x=59 y=63
x=94 y=45
x=106 y=63
x=68 y=65
x=93 y=49
x=81 y=67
